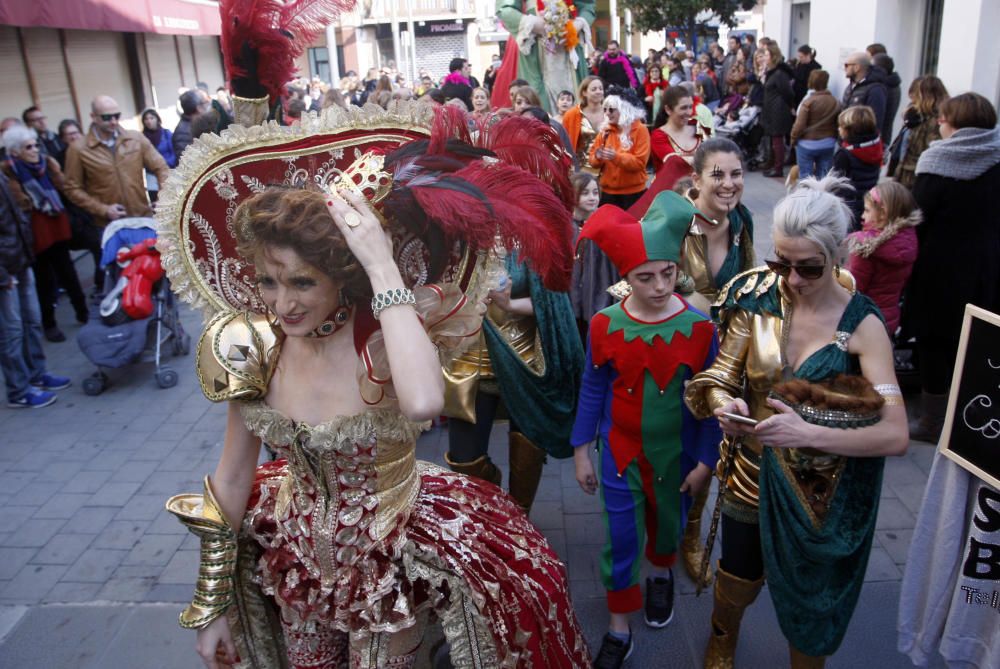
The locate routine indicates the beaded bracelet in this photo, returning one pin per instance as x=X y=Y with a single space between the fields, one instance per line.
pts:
x=391 y=298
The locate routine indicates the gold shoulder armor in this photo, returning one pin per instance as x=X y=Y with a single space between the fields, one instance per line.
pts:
x=236 y=357
x=846 y=279
x=738 y=280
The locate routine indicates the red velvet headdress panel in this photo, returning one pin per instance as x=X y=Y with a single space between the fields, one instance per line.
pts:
x=202 y=198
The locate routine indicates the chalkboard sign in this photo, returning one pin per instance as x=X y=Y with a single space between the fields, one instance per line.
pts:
x=971 y=435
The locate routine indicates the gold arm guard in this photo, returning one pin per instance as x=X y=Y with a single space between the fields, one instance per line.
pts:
x=214 y=590
x=249 y=112
x=720 y=383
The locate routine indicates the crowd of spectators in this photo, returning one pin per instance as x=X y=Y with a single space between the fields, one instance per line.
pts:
x=620 y=125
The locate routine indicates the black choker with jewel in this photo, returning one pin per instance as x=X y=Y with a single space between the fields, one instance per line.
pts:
x=333 y=322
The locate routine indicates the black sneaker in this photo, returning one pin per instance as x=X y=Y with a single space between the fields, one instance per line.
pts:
x=54 y=334
x=659 y=601
x=613 y=652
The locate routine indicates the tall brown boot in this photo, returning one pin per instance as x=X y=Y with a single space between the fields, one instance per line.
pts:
x=802 y=661
x=482 y=468
x=692 y=547
x=932 y=409
x=526 y=462
x=732 y=596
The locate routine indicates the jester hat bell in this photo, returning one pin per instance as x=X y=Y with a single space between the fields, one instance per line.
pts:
x=630 y=242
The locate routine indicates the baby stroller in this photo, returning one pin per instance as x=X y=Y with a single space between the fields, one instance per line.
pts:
x=138 y=317
x=745 y=130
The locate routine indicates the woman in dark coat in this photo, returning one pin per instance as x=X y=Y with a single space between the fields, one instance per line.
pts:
x=776 y=114
x=957 y=187
x=803 y=67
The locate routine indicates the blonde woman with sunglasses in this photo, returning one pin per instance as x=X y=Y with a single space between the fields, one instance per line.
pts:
x=800 y=498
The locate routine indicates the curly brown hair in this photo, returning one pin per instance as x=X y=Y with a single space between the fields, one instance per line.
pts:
x=297 y=219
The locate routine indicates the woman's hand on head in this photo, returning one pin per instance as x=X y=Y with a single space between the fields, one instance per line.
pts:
x=368 y=240
x=785 y=429
x=215 y=645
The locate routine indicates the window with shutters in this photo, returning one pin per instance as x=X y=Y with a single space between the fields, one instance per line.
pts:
x=100 y=67
x=45 y=58
x=435 y=52
x=209 y=59
x=13 y=80
x=165 y=76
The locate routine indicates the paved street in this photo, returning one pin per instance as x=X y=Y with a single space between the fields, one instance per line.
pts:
x=93 y=571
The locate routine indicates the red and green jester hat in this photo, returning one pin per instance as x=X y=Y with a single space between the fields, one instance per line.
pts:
x=646 y=387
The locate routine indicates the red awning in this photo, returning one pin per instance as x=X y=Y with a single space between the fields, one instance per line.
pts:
x=173 y=17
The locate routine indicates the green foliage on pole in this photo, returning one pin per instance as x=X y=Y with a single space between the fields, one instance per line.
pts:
x=655 y=15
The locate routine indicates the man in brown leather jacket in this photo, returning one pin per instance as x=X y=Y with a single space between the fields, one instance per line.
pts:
x=104 y=169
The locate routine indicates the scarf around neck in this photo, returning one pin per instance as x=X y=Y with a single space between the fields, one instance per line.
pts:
x=626 y=64
x=457 y=78
x=34 y=179
x=964 y=156
x=154 y=136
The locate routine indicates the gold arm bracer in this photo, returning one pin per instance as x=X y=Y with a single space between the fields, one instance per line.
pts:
x=214 y=590
x=720 y=383
x=249 y=112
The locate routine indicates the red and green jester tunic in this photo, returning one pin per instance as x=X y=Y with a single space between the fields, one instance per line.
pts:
x=632 y=401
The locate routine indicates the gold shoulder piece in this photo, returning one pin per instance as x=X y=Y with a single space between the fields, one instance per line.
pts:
x=236 y=358
x=846 y=279
x=742 y=279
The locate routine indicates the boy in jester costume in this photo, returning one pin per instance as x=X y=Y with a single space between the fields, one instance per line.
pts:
x=653 y=455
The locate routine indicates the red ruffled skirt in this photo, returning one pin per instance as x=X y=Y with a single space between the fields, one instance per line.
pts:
x=462 y=539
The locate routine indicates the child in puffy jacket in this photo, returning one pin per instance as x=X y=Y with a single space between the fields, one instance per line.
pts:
x=859 y=156
x=883 y=252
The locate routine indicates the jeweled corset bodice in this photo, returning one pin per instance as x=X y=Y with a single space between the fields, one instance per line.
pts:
x=350 y=481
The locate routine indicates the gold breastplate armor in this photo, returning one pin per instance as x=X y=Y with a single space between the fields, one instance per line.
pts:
x=465 y=373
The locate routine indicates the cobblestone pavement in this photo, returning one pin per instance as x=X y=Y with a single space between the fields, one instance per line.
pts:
x=93 y=570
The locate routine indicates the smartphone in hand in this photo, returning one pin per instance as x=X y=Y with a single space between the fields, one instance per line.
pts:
x=737 y=418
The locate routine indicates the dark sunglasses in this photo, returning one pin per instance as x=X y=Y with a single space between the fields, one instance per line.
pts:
x=807 y=272
x=111 y=117
x=29 y=147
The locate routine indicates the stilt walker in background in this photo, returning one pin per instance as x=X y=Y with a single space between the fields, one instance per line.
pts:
x=547 y=41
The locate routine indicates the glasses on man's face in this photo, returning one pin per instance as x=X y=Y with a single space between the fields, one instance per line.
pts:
x=111 y=117
x=784 y=269
x=29 y=147
x=36 y=119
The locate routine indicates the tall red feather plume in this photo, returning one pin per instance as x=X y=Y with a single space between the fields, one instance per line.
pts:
x=516 y=194
x=529 y=218
x=449 y=123
x=528 y=143
x=278 y=31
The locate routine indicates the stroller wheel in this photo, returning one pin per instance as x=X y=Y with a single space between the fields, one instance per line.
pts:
x=182 y=344
x=166 y=378
x=95 y=384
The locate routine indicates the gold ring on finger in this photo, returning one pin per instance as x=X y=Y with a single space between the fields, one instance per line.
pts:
x=352 y=219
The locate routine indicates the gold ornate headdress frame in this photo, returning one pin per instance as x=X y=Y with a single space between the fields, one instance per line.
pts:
x=209 y=161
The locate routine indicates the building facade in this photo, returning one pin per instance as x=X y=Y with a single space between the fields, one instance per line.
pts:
x=59 y=54
x=953 y=39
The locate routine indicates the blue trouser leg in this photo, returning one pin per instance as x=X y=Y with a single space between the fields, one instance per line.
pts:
x=22 y=358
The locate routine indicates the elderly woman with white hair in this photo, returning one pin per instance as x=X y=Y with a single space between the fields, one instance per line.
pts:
x=621 y=149
x=803 y=358
x=36 y=181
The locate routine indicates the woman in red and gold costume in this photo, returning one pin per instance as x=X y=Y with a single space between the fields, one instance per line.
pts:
x=342 y=260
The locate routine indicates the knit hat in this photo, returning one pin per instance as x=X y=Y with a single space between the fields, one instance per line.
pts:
x=630 y=242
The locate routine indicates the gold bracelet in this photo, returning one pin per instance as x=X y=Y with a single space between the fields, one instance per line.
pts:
x=214 y=590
